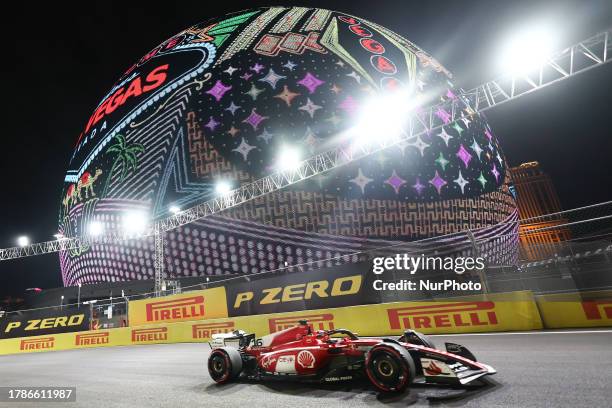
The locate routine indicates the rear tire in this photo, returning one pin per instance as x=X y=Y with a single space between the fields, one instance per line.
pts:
x=389 y=367
x=224 y=364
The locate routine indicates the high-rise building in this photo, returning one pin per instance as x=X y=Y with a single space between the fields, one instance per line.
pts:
x=536 y=198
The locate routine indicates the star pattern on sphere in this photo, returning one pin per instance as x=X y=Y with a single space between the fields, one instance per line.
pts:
x=218 y=90
x=266 y=136
x=212 y=124
x=256 y=68
x=444 y=136
x=476 y=148
x=310 y=139
x=420 y=145
x=499 y=158
x=395 y=181
x=310 y=108
x=244 y=148
x=254 y=92
x=466 y=122
x=230 y=70
x=464 y=155
x=286 y=95
x=495 y=172
x=272 y=78
x=482 y=180
x=310 y=82
x=418 y=186
x=355 y=76
x=333 y=119
x=461 y=182
x=441 y=160
x=443 y=115
x=232 y=108
x=349 y=104
x=458 y=128
x=233 y=131
x=488 y=134
x=290 y=65
x=361 y=180
x=438 y=182
x=335 y=89
x=340 y=63
x=246 y=76
x=254 y=119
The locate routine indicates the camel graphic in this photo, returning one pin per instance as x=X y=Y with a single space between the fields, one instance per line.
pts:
x=73 y=193
x=86 y=182
x=71 y=196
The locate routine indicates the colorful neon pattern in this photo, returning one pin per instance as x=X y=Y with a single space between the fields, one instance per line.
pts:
x=235 y=90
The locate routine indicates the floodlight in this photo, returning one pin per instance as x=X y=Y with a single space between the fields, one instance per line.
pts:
x=528 y=49
x=23 y=241
x=95 y=228
x=223 y=187
x=135 y=222
x=174 y=209
x=288 y=159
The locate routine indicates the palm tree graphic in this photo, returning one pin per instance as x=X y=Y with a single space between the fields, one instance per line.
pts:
x=126 y=158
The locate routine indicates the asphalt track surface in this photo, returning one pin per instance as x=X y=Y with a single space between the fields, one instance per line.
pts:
x=535 y=369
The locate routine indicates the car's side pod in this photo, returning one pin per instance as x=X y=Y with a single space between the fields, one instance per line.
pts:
x=459 y=350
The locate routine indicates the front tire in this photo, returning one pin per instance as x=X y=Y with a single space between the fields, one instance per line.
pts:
x=389 y=367
x=224 y=364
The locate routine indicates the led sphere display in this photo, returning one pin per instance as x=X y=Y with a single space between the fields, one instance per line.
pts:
x=233 y=99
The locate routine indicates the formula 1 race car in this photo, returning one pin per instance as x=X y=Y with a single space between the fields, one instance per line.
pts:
x=339 y=355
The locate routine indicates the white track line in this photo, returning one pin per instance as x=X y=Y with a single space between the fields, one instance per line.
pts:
x=523 y=333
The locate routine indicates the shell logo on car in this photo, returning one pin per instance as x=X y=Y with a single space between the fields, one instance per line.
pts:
x=306 y=359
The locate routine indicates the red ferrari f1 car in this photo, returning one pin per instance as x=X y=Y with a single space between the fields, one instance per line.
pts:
x=339 y=355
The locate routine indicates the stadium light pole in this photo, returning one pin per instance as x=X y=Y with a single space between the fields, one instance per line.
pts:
x=79 y=296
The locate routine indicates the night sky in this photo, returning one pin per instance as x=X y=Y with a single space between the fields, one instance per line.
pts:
x=59 y=61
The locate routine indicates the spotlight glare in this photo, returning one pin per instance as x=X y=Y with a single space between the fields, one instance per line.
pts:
x=385 y=117
x=174 y=209
x=223 y=187
x=135 y=222
x=528 y=50
x=95 y=228
x=23 y=241
x=288 y=159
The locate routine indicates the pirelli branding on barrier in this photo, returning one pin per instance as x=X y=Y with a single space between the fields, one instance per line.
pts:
x=196 y=305
x=587 y=309
x=38 y=344
x=150 y=335
x=443 y=315
x=92 y=339
x=44 y=321
x=206 y=330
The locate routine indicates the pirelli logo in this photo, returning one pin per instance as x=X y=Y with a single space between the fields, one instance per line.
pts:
x=206 y=330
x=324 y=321
x=42 y=343
x=148 y=335
x=91 y=339
x=456 y=314
x=184 y=308
x=597 y=309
